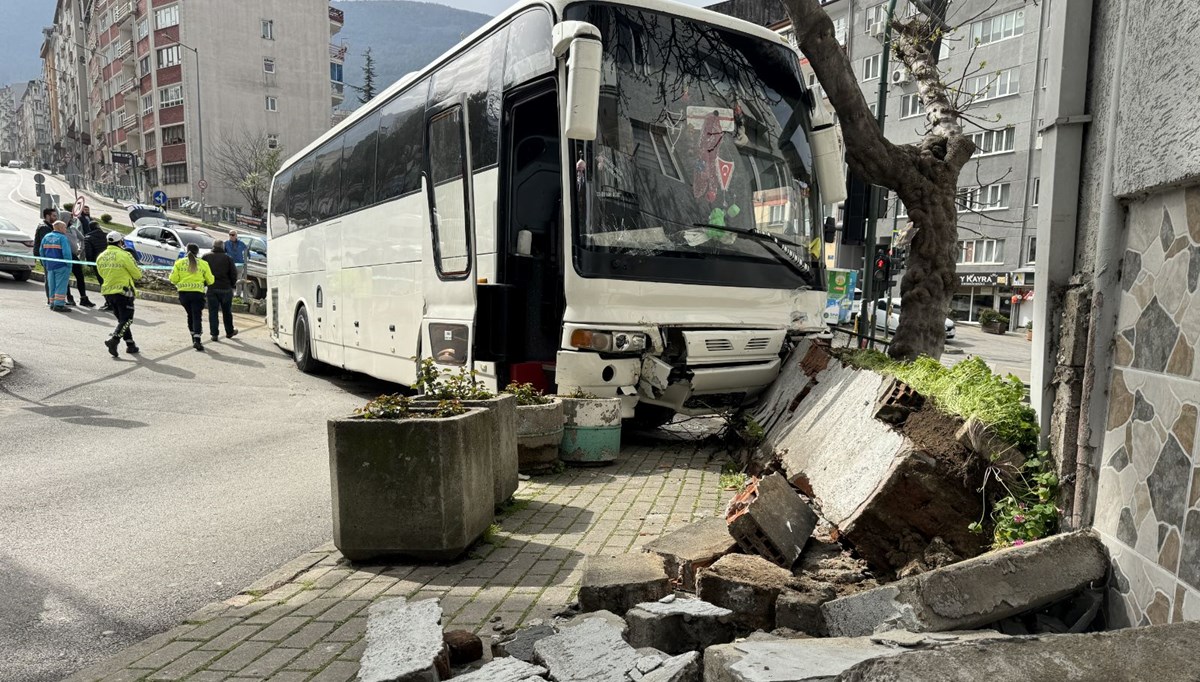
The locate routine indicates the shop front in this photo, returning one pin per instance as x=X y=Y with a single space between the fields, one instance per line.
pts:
x=978 y=291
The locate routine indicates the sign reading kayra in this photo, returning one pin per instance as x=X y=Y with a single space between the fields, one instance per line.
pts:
x=977 y=279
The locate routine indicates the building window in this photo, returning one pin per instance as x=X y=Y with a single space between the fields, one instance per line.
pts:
x=165 y=17
x=874 y=14
x=272 y=140
x=985 y=198
x=268 y=65
x=995 y=29
x=172 y=134
x=272 y=104
x=170 y=96
x=268 y=29
x=1035 y=191
x=871 y=67
x=873 y=107
x=999 y=84
x=147 y=104
x=988 y=142
x=1031 y=251
x=335 y=72
x=981 y=251
x=168 y=56
x=143 y=28
x=150 y=140
x=910 y=106
x=144 y=65
x=175 y=174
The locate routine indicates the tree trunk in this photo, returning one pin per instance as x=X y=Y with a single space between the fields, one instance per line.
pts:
x=930 y=280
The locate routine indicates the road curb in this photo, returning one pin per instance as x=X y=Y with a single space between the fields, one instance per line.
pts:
x=6 y=364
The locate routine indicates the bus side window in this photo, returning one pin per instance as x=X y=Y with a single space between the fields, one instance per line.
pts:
x=529 y=50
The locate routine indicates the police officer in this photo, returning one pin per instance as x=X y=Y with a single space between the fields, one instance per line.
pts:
x=120 y=271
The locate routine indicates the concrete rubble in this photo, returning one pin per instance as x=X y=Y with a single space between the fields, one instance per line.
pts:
x=504 y=670
x=592 y=651
x=619 y=582
x=695 y=546
x=746 y=585
x=679 y=626
x=404 y=642
x=769 y=519
x=975 y=592
x=888 y=487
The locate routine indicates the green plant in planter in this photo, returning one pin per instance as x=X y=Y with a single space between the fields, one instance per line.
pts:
x=527 y=395
x=990 y=316
x=105 y=218
x=442 y=385
x=396 y=406
x=580 y=394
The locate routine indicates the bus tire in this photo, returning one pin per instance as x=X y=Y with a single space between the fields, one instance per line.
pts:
x=302 y=342
x=647 y=417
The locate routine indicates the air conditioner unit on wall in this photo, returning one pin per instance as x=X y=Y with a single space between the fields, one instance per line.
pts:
x=901 y=76
x=876 y=30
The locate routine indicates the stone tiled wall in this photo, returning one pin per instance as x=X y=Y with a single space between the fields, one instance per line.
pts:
x=1148 y=499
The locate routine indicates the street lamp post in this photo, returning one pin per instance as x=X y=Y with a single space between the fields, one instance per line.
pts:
x=199 y=122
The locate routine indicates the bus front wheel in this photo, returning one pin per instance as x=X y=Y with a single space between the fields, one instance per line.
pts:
x=303 y=355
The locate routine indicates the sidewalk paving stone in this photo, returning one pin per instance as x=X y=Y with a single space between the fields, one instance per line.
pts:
x=306 y=620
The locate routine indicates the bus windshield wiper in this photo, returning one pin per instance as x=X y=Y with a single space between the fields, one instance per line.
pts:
x=783 y=255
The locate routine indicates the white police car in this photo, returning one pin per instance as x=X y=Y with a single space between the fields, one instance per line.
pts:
x=157 y=240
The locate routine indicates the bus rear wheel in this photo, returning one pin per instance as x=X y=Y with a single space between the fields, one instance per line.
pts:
x=302 y=340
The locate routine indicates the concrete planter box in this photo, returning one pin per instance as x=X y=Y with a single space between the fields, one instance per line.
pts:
x=502 y=424
x=994 y=328
x=415 y=487
x=539 y=433
x=592 y=430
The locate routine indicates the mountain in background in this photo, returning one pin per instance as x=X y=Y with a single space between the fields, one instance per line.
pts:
x=403 y=36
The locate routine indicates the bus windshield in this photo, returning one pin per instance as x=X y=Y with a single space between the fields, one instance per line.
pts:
x=700 y=128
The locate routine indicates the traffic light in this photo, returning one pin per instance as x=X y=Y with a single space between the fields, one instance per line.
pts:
x=882 y=264
x=899 y=259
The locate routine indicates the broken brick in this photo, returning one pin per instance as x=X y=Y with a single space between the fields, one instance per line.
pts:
x=769 y=519
x=687 y=549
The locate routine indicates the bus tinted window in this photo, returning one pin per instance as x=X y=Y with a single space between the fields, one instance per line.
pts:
x=327 y=189
x=529 y=52
x=398 y=166
x=300 y=196
x=358 y=164
x=477 y=75
x=277 y=219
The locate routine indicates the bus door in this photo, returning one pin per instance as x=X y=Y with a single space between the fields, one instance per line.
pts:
x=449 y=263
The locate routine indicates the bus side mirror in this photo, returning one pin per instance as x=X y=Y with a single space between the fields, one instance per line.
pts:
x=580 y=41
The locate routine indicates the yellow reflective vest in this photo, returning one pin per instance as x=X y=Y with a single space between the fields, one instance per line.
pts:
x=185 y=280
x=119 y=271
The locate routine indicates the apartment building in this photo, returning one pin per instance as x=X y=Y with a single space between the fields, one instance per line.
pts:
x=999 y=188
x=171 y=81
x=33 y=117
x=64 y=71
x=10 y=126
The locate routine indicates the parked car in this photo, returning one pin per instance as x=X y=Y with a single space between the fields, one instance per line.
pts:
x=12 y=240
x=15 y=164
x=165 y=244
x=890 y=321
x=256 y=266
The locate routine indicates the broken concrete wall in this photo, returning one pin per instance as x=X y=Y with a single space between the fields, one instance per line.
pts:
x=887 y=495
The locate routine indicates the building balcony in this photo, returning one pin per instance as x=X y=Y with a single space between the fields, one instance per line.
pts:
x=130 y=87
x=339 y=115
x=338 y=52
x=124 y=49
x=130 y=122
x=122 y=11
x=338 y=89
x=337 y=19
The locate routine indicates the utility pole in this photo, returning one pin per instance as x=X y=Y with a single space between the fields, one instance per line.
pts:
x=199 y=124
x=867 y=310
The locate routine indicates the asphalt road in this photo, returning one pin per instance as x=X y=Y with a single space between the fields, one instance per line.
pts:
x=134 y=491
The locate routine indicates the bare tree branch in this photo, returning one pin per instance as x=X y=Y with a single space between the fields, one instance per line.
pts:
x=246 y=162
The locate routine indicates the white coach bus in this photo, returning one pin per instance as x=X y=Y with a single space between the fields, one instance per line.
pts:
x=619 y=197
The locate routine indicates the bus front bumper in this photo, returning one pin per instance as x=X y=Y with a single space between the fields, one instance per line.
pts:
x=692 y=390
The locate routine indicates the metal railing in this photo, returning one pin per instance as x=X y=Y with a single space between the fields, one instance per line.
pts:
x=337 y=16
x=124 y=50
x=122 y=11
x=116 y=192
x=338 y=52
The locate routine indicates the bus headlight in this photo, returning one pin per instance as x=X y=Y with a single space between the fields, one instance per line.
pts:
x=609 y=342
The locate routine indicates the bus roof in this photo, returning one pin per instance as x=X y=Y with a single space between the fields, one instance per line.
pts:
x=558 y=6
